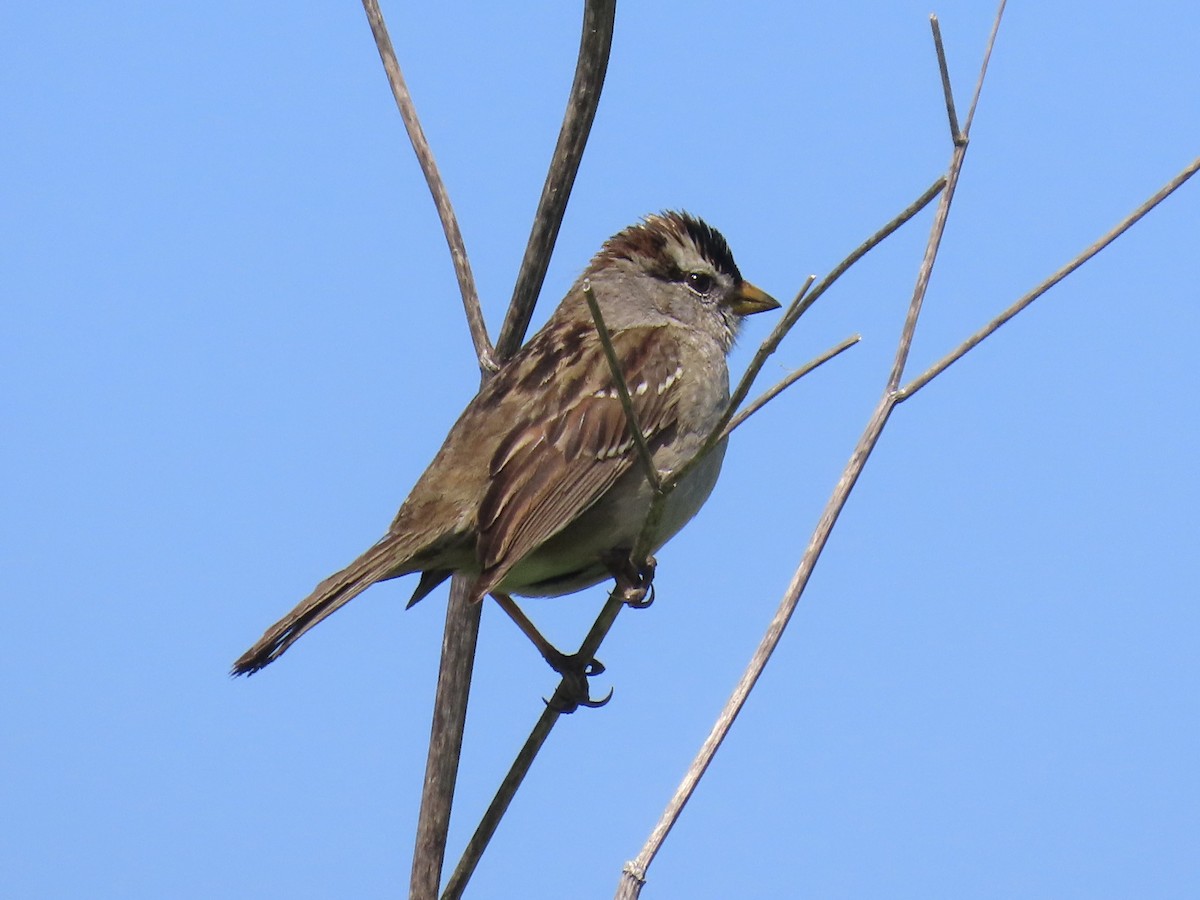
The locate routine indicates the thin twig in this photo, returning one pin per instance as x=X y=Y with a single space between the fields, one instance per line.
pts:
x=955 y=135
x=987 y=56
x=787 y=381
x=441 y=199
x=614 y=367
x=936 y=230
x=978 y=337
x=524 y=760
x=594 y=48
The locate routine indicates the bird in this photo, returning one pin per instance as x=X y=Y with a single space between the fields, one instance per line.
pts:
x=539 y=484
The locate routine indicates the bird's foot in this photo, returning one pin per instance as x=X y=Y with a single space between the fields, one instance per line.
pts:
x=574 y=691
x=635 y=583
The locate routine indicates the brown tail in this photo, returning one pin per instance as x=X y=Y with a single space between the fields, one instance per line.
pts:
x=329 y=596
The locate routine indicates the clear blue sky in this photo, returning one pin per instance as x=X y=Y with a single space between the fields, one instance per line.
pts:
x=232 y=341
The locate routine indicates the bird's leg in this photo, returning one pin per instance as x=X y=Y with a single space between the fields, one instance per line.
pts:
x=634 y=582
x=575 y=670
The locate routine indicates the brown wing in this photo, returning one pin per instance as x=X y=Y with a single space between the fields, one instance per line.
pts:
x=566 y=449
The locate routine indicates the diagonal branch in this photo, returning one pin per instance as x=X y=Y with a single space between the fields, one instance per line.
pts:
x=787 y=381
x=983 y=67
x=441 y=199
x=979 y=336
x=955 y=135
x=524 y=760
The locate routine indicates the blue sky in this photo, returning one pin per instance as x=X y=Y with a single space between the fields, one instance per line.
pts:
x=233 y=341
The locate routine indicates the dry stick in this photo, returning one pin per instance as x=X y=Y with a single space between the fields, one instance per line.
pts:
x=441 y=199
x=524 y=760
x=978 y=337
x=459 y=638
x=787 y=381
x=594 y=47
x=939 y=218
x=462 y=617
x=633 y=874
x=987 y=56
x=955 y=135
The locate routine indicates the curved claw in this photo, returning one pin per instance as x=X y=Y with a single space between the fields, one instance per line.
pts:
x=568 y=699
x=574 y=692
x=640 y=598
x=596 y=704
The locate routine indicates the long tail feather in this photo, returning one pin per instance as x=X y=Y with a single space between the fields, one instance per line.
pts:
x=327 y=598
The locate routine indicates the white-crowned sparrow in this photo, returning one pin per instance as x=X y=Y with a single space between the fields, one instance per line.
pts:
x=539 y=484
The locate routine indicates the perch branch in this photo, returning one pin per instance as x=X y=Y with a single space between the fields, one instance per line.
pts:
x=524 y=760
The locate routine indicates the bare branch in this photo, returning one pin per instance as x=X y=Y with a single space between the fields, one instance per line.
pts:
x=614 y=367
x=951 y=114
x=524 y=760
x=445 y=738
x=978 y=337
x=441 y=199
x=987 y=56
x=790 y=379
x=926 y=270
x=943 y=210
x=594 y=48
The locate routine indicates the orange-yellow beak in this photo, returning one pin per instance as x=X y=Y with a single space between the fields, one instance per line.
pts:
x=748 y=299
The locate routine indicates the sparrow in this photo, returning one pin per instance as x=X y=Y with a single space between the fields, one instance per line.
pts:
x=539 y=485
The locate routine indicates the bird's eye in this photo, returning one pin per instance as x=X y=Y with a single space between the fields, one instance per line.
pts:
x=700 y=282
